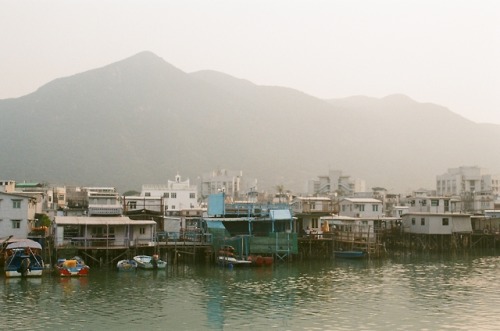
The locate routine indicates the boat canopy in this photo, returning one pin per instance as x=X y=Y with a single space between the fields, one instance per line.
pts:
x=23 y=243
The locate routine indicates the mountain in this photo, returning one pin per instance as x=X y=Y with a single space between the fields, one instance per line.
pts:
x=141 y=120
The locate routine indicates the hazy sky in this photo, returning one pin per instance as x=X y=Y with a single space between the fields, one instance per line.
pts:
x=446 y=52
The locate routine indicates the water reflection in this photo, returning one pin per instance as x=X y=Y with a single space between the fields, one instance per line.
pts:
x=400 y=293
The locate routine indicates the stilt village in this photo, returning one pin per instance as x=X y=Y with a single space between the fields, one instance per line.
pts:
x=221 y=217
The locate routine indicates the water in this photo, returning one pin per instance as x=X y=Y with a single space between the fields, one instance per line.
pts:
x=400 y=293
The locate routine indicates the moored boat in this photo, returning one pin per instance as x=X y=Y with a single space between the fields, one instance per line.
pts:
x=23 y=259
x=260 y=261
x=126 y=265
x=227 y=257
x=73 y=267
x=232 y=261
x=149 y=262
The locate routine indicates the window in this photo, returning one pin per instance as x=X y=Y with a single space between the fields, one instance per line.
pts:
x=434 y=203
x=16 y=204
x=173 y=195
x=132 y=204
x=16 y=224
x=192 y=195
x=147 y=194
x=173 y=206
x=424 y=202
x=413 y=221
x=446 y=222
x=166 y=195
x=374 y=207
x=142 y=230
x=314 y=222
x=422 y=221
x=360 y=207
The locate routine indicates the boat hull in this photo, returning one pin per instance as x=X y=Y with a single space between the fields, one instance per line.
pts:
x=126 y=265
x=149 y=262
x=23 y=259
x=225 y=260
x=29 y=273
x=74 y=267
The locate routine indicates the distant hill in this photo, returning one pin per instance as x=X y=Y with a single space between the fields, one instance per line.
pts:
x=141 y=120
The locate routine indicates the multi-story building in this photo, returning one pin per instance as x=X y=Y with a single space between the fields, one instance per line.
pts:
x=361 y=208
x=175 y=195
x=308 y=211
x=103 y=201
x=476 y=187
x=458 y=181
x=223 y=180
x=336 y=182
x=17 y=214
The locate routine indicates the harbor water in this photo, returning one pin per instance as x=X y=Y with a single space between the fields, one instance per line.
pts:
x=404 y=292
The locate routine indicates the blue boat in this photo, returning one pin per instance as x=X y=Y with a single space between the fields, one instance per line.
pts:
x=350 y=254
x=23 y=259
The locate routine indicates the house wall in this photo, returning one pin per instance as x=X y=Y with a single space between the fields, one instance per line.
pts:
x=359 y=208
x=434 y=224
x=9 y=215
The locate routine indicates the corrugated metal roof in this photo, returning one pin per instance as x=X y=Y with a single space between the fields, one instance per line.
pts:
x=362 y=200
x=84 y=220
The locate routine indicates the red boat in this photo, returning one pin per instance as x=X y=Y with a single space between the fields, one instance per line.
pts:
x=73 y=267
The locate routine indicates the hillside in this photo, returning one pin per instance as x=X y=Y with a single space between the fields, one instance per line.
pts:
x=141 y=120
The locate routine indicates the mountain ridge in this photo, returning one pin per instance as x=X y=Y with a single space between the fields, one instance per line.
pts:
x=142 y=120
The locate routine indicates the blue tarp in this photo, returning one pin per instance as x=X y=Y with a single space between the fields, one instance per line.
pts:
x=216 y=204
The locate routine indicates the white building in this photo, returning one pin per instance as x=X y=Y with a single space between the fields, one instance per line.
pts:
x=361 y=208
x=222 y=180
x=436 y=223
x=7 y=186
x=175 y=195
x=75 y=231
x=336 y=182
x=433 y=204
x=17 y=215
x=103 y=201
x=458 y=181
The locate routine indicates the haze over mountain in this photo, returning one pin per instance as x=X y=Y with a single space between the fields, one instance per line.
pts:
x=141 y=120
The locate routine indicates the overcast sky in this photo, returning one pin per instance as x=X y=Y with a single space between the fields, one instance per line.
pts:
x=445 y=52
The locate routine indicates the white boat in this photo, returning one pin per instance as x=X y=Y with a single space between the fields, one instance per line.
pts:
x=23 y=259
x=126 y=265
x=232 y=261
x=149 y=262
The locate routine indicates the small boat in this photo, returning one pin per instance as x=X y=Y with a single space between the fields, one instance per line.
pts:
x=23 y=259
x=260 y=261
x=226 y=257
x=126 y=265
x=350 y=254
x=73 y=267
x=232 y=261
x=149 y=262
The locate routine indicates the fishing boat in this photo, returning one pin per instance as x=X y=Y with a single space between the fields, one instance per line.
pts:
x=126 y=265
x=227 y=257
x=23 y=259
x=72 y=267
x=350 y=254
x=149 y=262
x=232 y=261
